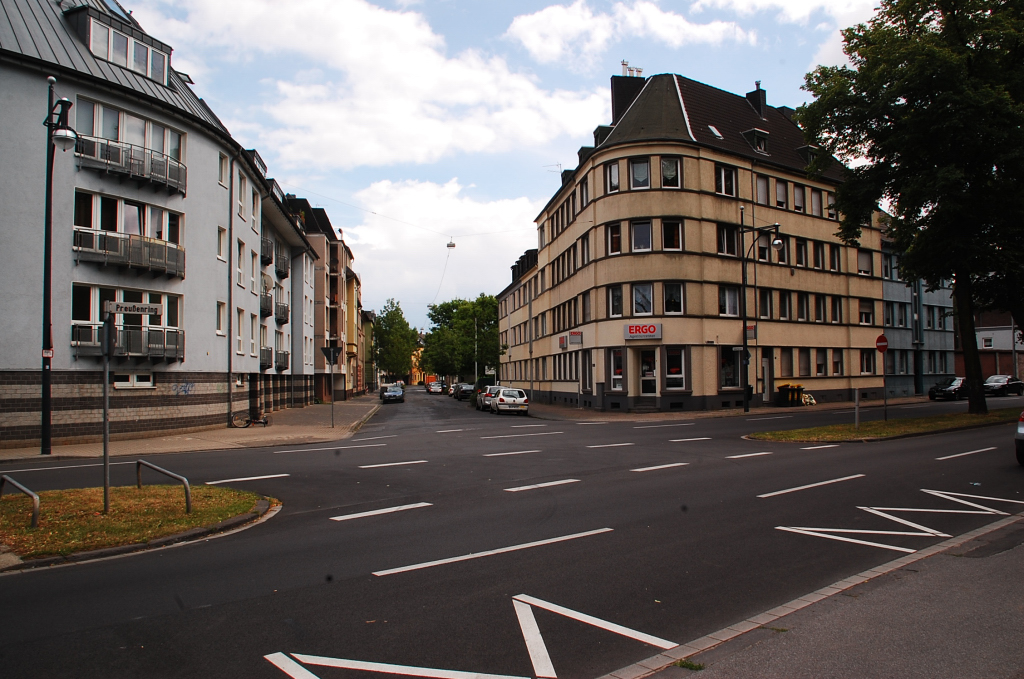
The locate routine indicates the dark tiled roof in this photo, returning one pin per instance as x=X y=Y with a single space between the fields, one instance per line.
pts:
x=42 y=30
x=656 y=114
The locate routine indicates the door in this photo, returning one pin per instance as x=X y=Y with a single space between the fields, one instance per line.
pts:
x=767 y=378
x=648 y=372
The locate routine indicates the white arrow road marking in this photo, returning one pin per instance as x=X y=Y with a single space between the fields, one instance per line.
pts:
x=596 y=622
x=542 y=666
x=377 y=512
x=405 y=670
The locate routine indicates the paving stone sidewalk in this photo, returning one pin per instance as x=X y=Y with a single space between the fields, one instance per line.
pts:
x=311 y=424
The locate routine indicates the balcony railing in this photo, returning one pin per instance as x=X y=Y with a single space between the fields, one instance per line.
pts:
x=282 y=262
x=282 y=359
x=267 y=251
x=130 y=341
x=281 y=312
x=133 y=161
x=266 y=358
x=136 y=252
x=266 y=304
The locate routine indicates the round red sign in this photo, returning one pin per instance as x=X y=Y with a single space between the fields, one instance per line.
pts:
x=881 y=343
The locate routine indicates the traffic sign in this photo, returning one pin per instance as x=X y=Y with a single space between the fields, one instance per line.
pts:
x=332 y=353
x=882 y=344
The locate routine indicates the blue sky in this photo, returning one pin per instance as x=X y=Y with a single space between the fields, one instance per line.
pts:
x=416 y=122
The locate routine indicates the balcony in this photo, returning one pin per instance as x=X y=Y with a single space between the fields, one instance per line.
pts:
x=281 y=312
x=266 y=304
x=135 y=252
x=131 y=161
x=282 y=262
x=266 y=358
x=282 y=359
x=266 y=251
x=130 y=341
x=333 y=266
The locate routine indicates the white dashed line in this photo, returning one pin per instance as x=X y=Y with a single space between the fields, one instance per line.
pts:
x=376 y=512
x=659 y=426
x=736 y=457
x=591 y=423
x=390 y=464
x=969 y=452
x=812 y=485
x=541 y=485
x=374 y=438
x=778 y=417
x=447 y=431
x=831 y=445
x=515 y=452
x=523 y=426
x=512 y=436
x=247 y=478
x=702 y=438
x=320 y=450
x=660 y=466
x=611 y=445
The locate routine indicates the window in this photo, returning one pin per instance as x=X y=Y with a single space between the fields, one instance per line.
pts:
x=238 y=330
x=617 y=361
x=253 y=268
x=673 y=298
x=253 y=323
x=867 y=312
x=239 y=273
x=929 y=318
x=222 y=243
x=643 y=299
x=901 y=315
x=614 y=239
x=830 y=203
x=639 y=173
x=798 y=198
x=764 y=303
x=584 y=193
x=820 y=362
x=585 y=249
x=837 y=361
x=781 y=194
x=641 y=237
x=833 y=257
x=615 y=301
x=801 y=252
x=728 y=241
x=586 y=307
x=819 y=255
x=670 y=173
x=115 y=47
x=816 y=202
x=254 y=213
x=241 y=195
x=675 y=368
x=805 y=362
x=785 y=312
x=672 y=235
x=785 y=362
x=864 y=267
x=761 y=196
x=820 y=307
x=803 y=303
x=221 y=317
x=783 y=252
x=728 y=300
x=725 y=180
x=867 y=361
x=611 y=177
x=729 y=367
x=133 y=381
x=986 y=342
x=886 y=265
x=837 y=309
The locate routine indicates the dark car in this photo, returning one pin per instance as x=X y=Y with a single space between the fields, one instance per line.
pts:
x=462 y=391
x=954 y=388
x=1003 y=385
x=393 y=394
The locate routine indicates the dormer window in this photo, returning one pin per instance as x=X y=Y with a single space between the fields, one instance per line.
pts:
x=758 y=139
x=808 y=153
x=116 y=47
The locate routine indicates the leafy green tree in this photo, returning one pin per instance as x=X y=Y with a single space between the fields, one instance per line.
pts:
x=395 y=340
x=933 y=102
x=463 y=336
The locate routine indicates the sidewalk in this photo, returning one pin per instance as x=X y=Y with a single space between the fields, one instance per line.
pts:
x=311 y=424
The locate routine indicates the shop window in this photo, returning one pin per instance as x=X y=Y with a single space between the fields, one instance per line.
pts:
x=617 y=368
x=675 y=368
x=729 y=367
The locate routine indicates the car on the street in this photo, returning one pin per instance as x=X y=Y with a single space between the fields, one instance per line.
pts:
x=1019 y=440
x=393 y=394
x=1003 y=385
x=510 y=401
x=954 y=388
x=463 y=391
x=451 y=389
x=483 y=399
x=435 y=388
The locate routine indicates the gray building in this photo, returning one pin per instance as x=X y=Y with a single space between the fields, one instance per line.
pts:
x=919 y=326
x=156 y=204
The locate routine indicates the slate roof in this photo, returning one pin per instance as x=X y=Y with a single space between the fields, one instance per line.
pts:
x=43 y=31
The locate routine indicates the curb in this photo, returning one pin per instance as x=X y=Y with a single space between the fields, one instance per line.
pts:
x=645 y=668
x=364 y=419
x=966 y=427
x=261 y=510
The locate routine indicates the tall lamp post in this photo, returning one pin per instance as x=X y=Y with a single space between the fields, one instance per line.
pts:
x=777 y=245
x=58 y=135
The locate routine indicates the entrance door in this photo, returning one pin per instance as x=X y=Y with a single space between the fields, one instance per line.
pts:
x=767 y=378
x=648 y=372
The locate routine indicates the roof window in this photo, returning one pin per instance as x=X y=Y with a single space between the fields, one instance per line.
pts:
x=714 y=131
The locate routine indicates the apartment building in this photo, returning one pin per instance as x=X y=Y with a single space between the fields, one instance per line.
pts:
x=636 y=296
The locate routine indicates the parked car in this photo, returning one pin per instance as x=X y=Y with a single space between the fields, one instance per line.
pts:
x=1003 y=385
x=384 y=388
x=483 y=399
x=463 y=391
x=510 y=400
x=954 y=388
x=451 y=389
x=1019 y=439
x=393 y=394
x=435 y=388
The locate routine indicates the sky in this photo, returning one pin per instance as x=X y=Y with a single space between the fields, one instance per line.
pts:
x=419 y=123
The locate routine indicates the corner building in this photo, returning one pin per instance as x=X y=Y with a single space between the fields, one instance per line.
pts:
x=634 y=297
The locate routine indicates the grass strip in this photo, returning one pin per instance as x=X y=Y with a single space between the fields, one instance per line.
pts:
x=880 y=429
x=73 y=521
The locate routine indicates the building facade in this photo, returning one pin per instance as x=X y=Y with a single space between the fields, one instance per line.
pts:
x=635 y=297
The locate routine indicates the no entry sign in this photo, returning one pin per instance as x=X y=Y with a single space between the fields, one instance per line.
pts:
x=882 y=344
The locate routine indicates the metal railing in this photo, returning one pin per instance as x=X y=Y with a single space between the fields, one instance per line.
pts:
x=139 y=464
x=130 y=341
x=35 y=498
x=281 y=312
x=266 y=250
x=130 y=160
x=282 y=359
x=122 y=249
x=266 y=304
x=282 y=262
x=266 y=358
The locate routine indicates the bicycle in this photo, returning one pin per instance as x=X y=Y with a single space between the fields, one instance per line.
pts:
x=242 y=419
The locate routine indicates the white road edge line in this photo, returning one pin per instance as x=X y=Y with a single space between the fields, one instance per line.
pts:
x=591 y=423
x=70 y=466
x=659 y=426
x=374 y=438
x=323 y=450
x=830 y=445
x=514 y=452
x=492 y=552
x=390 y=464
x=247 y=478
x=664 y=644
x=447 y=431
x=777 y=417
x=376 y=512
x=611 y=445
x=523 y=426
x=542 y=666
x=701 y=438
x=660 y=466
x=385 y=668
x=812 y=485
x=512 y=436
x=541 y=485
x=969 y=452
x=736 y=457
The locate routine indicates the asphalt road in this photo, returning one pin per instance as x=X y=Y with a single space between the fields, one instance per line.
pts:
x=568 y=549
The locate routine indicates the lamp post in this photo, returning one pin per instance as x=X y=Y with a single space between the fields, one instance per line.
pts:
x=58 y=134
x=777 y=245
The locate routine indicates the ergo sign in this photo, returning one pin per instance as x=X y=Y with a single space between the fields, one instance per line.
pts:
x=642 y=330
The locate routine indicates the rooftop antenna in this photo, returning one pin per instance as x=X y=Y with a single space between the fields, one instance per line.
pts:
x=558 y=165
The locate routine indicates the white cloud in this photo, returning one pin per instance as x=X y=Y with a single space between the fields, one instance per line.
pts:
x=576 y=34
x=388 y=93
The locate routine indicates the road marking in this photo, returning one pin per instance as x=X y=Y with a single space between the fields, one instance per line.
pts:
x=596 y=622
x=660 y=466
x=382 y=668
x=376 y=512
x=736 y=457
x=515 y=452
x=512 y=436
x=289 y=666
x=523 y=426
x=659 y=426
x=921 y=406
x=247 y=478
x=374 y=438
x=830 y=445
x=70 y=466
x=390 y=464
x=777 y=417
x=701 y=438
x=581 y=423
x=321 y=450
x=969 y=452
x=812 y=485
x=541 y=485
x=542 y=667
x=492 y=552
x=611 y=445
x=447 y=431
x=842 y=539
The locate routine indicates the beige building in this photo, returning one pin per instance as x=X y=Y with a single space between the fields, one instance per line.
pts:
x=635 y=296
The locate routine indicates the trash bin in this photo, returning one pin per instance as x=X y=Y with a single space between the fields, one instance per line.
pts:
x=790 y=395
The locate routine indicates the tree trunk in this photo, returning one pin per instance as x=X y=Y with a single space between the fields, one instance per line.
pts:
x=963 y=309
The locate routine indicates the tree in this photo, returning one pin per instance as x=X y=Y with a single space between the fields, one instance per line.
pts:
x=395 y=340
x=463 y=337
x=933 y=103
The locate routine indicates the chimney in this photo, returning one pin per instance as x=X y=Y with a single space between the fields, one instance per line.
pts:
x=758 y=100
x=624 y=90
x=625 y=67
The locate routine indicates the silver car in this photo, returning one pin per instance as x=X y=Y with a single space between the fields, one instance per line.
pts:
x=510 y=401
x=1019 y=439
x=483 y=399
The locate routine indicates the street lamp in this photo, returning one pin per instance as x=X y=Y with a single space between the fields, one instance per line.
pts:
x=58 y=135
x=776 y=245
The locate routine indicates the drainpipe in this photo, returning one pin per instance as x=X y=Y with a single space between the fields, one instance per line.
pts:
x=529 y=328
x=230 y=311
